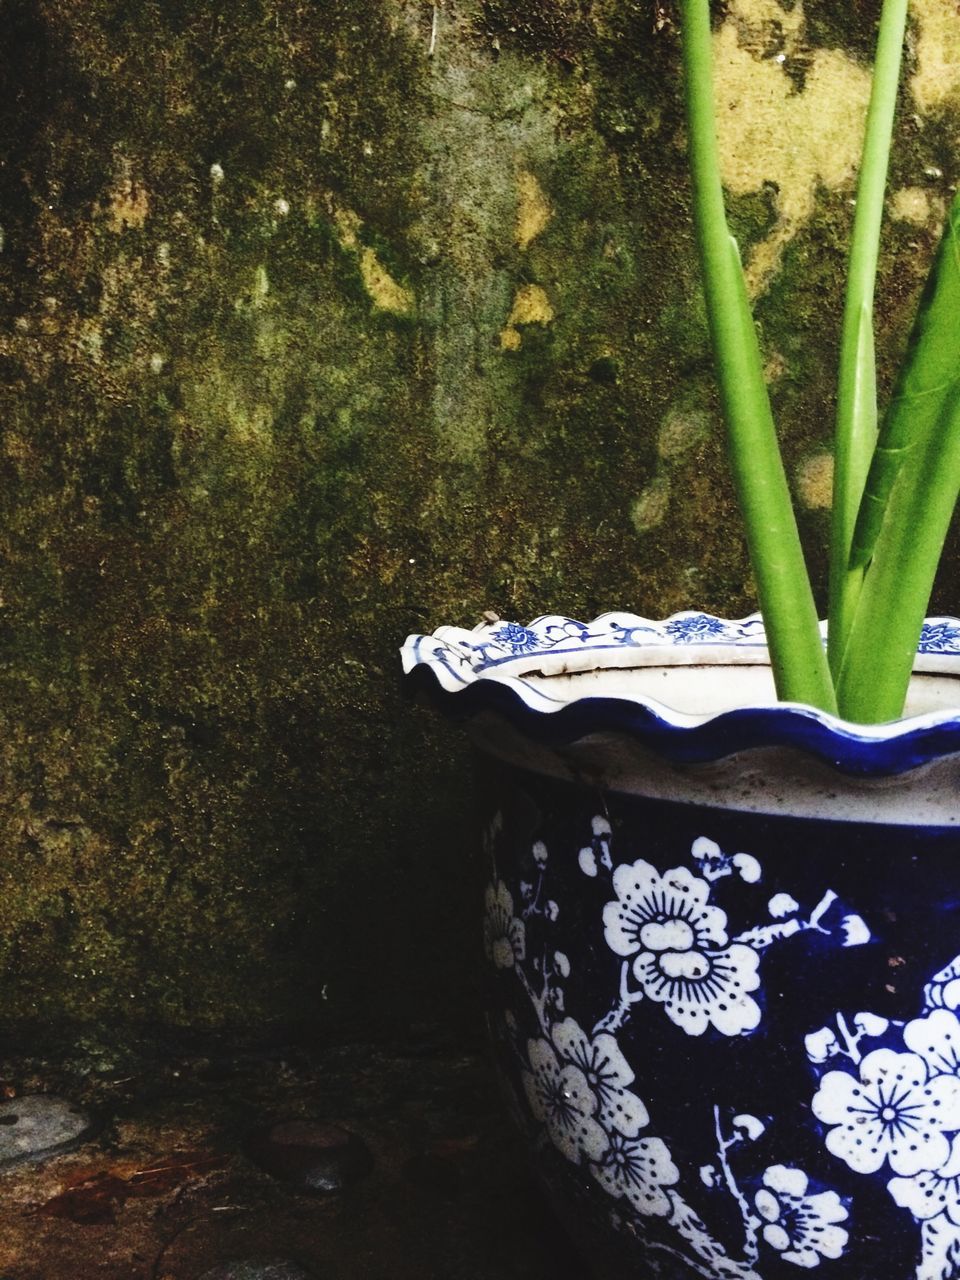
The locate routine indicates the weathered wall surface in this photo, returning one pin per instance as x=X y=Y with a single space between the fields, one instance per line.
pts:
x=322 y=321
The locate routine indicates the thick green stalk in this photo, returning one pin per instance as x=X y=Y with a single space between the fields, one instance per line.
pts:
x=883 y=639
x=927 y=376
x=786 y=600
x=856 y=432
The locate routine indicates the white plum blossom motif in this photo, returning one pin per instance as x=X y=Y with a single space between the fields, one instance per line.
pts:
x=714 y=864
x=747 y=1128
x=597 y=853
x=606 y=1071
x=821 y=1045
x=576 y=1086
x=675 y=951
x=845 y=1040
x=802 y=1228
x=561 y=1099
x=894 y=1111
x=869 y=1024
x=638 y=1169
x=909 y=1113
x=936 y=1038
x=855 y=931
x=700 y=989
x=661 y=911
x=943 y=989
x=932 y=1192
x=504 y=936
x=682 y=957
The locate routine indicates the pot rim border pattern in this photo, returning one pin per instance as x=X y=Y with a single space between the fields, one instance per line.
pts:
x=467 y=672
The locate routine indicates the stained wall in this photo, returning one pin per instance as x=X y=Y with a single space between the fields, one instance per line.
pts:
x=323 y=321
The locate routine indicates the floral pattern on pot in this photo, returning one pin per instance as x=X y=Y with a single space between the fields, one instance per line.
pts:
x=675 y=951
x=501 y=666
x=592 y=938
x=504 y=936
x=675 y=942
x=896 y=1108
x=500 y=641
x=679 y=952
x=804 y=1228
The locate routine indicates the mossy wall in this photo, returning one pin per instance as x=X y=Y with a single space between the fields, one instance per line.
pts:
x=323 y=321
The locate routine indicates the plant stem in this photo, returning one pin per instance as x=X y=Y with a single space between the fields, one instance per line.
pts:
x=930 y=368
x=786 y=599
x=883 y=640
x=856 y=431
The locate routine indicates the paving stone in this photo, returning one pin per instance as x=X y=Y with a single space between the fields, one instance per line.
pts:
x=41 y=1125
x=252 y=1269
x=310 y=1154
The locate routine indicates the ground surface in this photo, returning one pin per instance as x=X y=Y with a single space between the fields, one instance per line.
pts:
x=164 y=1192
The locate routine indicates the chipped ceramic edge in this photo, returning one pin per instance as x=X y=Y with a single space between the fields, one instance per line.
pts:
x=483 y=669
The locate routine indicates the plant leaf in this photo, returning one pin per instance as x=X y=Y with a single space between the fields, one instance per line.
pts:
x=783 y=585
x=930 y=371
x=856 y=431
x=856 y=440
x=882 y=646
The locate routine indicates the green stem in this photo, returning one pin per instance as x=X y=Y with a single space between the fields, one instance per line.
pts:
x=783 y=586
x=883 y=640
x=929 y=371
x=856 y=431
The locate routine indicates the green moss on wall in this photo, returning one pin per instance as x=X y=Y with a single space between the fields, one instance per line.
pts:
x=321 y=324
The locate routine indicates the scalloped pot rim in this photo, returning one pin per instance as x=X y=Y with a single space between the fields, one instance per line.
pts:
x=642 y=678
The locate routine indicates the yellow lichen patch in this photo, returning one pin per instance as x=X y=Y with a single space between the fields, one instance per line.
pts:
x=255 y=299
x=218 y=397
x=530 y=306
x=261 y=286
x=936 y=78
x=911 y=204
x=773 y=135
x=533 y=208
x=651 y=507
x=348 y=226
x=89 y=341
x=761 y=19
x=385 y=293
x=128 y=204
x=680 y=432
x=815 y=481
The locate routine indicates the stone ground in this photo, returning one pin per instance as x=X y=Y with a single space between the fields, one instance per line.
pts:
x=165 y=1191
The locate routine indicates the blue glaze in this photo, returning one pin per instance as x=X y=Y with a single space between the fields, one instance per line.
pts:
x=732 y=1038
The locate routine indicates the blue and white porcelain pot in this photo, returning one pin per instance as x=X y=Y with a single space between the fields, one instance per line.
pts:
x=723 y=937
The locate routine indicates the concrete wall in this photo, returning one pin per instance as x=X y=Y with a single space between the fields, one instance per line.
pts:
x=322 y=321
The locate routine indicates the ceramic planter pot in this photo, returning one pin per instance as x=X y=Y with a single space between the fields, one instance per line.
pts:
x=723 y=944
